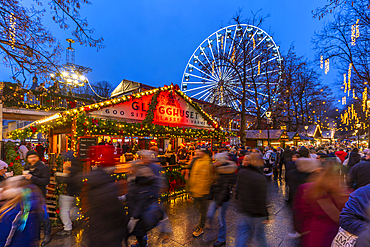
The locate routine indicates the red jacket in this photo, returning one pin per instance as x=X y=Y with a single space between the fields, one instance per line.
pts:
x=341 y=155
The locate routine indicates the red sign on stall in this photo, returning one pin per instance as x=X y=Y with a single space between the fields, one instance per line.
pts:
x=171 y=110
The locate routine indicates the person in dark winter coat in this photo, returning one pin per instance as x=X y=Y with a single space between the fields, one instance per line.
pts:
x=287 y=155
x=39 y=174
x=106 y=214
x=354 y=158
x=278 y=167
x=251 y=189
x=359 y=174
x=145 y=186
x=221 y=194
x=355 y=217
x=300 y=171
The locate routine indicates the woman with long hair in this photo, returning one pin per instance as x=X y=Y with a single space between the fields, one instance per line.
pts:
x=317 y=206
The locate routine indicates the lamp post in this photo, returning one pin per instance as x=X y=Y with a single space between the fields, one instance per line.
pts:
x=358 y=126
x=268 y=115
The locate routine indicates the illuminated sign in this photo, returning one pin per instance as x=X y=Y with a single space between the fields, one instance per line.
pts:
x=171 y=110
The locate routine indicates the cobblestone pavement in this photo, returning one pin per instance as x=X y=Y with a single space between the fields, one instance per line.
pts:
x=183 y=218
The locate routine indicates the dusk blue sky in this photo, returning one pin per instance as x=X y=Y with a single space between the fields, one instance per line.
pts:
x=150 y=41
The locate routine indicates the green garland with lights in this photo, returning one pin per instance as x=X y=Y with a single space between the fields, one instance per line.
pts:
x=150 y=113
x=59 y=190
x=94 y=127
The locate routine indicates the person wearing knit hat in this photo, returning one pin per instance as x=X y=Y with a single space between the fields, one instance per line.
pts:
x=39 y=174
x=3 y=167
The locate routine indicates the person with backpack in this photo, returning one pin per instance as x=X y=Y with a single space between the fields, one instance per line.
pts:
x=269 y=157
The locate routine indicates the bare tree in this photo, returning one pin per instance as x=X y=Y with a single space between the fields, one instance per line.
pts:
x=26 y=44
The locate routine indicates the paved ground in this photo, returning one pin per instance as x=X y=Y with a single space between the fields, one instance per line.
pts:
x=184 y=217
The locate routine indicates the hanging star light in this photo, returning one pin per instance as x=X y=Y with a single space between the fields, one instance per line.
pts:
x=326 y=66
x=355 y=32
x=12 y=30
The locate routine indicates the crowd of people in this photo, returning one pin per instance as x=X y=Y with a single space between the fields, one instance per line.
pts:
x=328 y=192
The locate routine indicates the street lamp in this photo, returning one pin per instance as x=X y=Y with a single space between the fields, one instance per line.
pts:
x=268 y=115
x=358 y=126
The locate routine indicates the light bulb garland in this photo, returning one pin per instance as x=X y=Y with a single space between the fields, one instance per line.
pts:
x=12 y=21
x=355 y=32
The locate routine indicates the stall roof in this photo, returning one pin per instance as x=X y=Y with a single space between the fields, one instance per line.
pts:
x=262 y=134
x=328 y=134
x=303 y=137
x=178 y=99
x=312 y=131
x=292 y=134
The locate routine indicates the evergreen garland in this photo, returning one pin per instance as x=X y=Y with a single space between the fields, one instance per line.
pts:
x=12 y=159
x=150 y=112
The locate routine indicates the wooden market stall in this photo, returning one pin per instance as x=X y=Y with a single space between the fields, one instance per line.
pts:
x=164 y=114
x=259 y=138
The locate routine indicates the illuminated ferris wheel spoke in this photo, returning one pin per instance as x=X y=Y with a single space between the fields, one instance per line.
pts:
x=203 y=78
x=206 y=94
x=201 y=92
x=210 y=64
x=201 y=71
x=197 y=88
x=204 y=66
x=257 y=45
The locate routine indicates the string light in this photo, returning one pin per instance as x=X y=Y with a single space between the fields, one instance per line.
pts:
x=345 y=83
x=349 y=77
x=12 y=30
x=364 y=100
x=355 y=32
x=326 y=66
x=344 y=100
x=254 y=42
x=259 y=67
x=321 y=62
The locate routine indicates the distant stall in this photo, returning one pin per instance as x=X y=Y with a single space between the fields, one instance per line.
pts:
x=259 y=138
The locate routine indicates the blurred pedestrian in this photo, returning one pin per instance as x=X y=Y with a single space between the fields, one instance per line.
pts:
x=72 y=177
x=22 y=150
x=341 y=154
x=278 y=166
x=106 y=214
x=251 y=192
x=18 y=214
x=145 y=186
x=353 y=158
x=359 y=174
x=221 y=194
x=354 y=218
x=3 y=169
x=317 y=206
x=39 y=174
x=40 y=150
x=200 y=181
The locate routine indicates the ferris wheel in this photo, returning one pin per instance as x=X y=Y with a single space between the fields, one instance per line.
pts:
x=235 y=59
